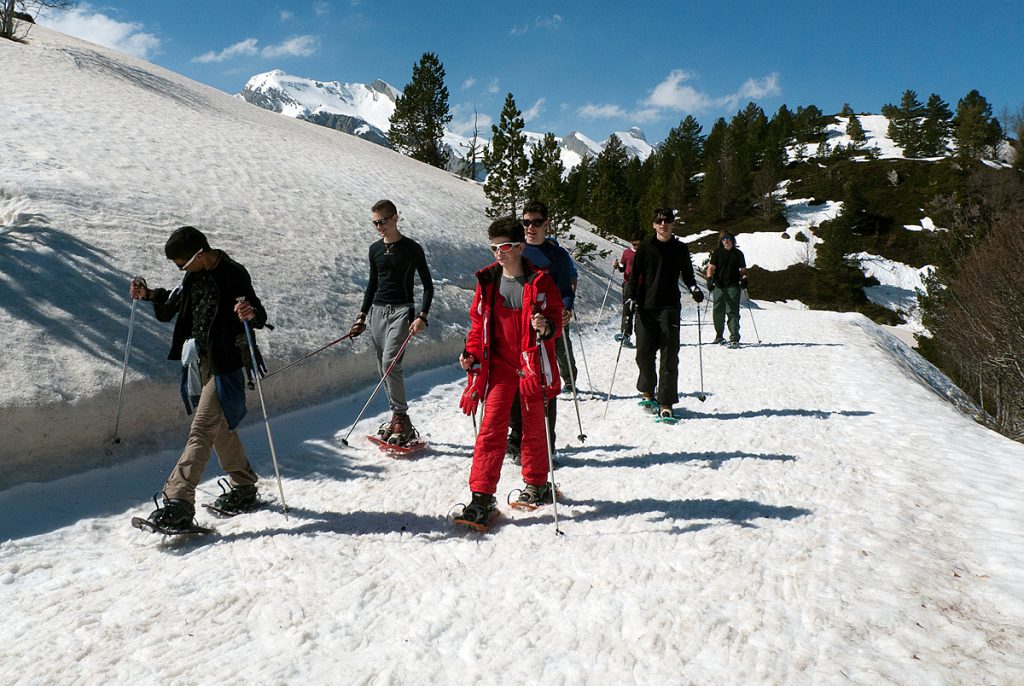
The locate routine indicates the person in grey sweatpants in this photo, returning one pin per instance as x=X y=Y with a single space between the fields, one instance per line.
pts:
x=388 y=311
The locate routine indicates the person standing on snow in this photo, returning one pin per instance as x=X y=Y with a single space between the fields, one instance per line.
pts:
x=515 y=319
x=209 y=339
x=727 y=277
x=653 y=293
x=547 y=255
x=388 y=311
x=625 y=265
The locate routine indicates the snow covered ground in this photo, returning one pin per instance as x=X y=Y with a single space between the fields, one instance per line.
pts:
x=828 y=515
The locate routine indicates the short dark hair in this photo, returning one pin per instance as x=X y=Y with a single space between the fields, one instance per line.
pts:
x=382 y=206
x=664 y=213
x=536 y=207
x=185 y=242
x=507 y=227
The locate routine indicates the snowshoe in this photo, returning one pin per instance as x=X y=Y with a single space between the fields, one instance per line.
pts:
x=734 y=344
x=649 y=404
x=175 y=517
x=479 y=514
x=402 y=430
x=666 y=415
x=235 y=500
x=396 y=450
x=531 y=497
x=618 y=337
x=626 y=343
x=719 y=340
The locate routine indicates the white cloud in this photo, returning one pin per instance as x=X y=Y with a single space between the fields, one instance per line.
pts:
x=532 y=113
x=245 y=48
x=550 y=23
x=591 y=111
x=673 y=94
x=321 y=8
x=493 y=86
x=296 y=46
x=85 y=23
x=287 y=15
x=469 y=83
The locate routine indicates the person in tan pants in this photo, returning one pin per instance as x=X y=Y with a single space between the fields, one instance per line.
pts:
x=214 y=298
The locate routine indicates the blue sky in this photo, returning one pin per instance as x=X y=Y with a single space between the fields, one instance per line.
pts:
x=597 y=66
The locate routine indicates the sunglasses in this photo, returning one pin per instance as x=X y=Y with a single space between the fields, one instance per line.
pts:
x=729 y=238
x=663 y=221
x=185 y=266
x=381 y=222
x=503 y=247
x=535 y=223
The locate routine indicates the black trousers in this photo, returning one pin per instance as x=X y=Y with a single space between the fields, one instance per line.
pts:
x=657 y=333
x=626 y=326
x=515 y=425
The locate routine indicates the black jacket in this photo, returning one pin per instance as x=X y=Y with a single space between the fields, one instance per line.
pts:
x=657 y=268
x=227 y=331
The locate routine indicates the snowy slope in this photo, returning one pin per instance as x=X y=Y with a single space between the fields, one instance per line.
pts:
x=106 y=156
x=845 y=524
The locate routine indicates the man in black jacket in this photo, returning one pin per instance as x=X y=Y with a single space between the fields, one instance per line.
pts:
x=653 y=290
x=209 y=339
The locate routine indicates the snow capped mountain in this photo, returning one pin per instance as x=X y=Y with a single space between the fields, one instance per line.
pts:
x=365 y=111
x=359 y=109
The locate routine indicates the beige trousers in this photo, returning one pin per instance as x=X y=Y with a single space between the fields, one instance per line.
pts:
x=209 y=432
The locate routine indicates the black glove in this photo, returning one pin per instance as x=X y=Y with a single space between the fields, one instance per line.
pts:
x=743 y=284
x=698 y=294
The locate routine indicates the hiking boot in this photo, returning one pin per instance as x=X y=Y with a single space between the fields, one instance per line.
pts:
x=535 y=495
x=402 y=430
x=514 y=453
x=719 y=340
x=479 y=509
x=175 y=514
x=626 y=343
x=384 y=431
x=735 y=343
x=666 y=412
x=237 y=498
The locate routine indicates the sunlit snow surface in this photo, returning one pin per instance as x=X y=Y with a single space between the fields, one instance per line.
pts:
x=830 y=513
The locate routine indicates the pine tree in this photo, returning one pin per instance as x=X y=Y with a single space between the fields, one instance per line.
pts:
x=579 y=183
x=905 y=123
x=936 y=128
x=609 y=200
x=421 y=113
x=546 y=183
x=675 y=163
x=809 y=125
x=855 y=131
x=976 y=131
x=506 y=163
x=847 y=111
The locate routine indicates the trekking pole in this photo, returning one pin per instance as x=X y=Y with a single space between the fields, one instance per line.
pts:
x=614 y=370
x=391 y=366
x=545 y=367
x=302 y=359
x=600 y=312
x=700 y=357
x=266 y=420
x=752 y=322
x=576 y=403
x=127 y=351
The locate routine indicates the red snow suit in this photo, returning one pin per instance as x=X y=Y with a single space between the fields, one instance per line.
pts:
x=511 y=358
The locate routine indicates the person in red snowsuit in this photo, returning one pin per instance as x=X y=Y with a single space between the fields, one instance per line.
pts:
x=514 y=320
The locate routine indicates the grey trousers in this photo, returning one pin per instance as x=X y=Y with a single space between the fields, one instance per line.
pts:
x=209 y=432
x=389 y=327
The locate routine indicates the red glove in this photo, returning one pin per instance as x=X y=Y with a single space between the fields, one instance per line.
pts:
x=471 y=395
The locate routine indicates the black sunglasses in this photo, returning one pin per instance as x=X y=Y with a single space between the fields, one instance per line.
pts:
x=381 y=222
x=535 y=223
